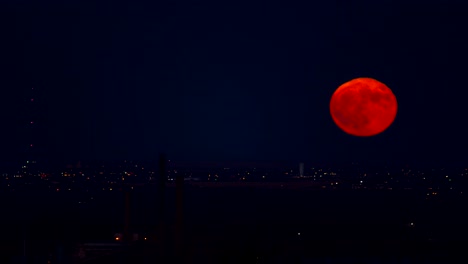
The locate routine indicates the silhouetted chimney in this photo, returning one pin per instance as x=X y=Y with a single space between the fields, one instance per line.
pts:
x=179 y=214
x=127 y=215
x=161 y=186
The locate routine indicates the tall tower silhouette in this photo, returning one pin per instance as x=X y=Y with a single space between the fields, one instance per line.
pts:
x=30 y=158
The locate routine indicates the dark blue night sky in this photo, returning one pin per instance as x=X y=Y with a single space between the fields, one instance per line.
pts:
x=232 y=80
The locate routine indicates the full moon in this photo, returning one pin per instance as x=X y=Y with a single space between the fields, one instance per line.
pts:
x=363 y=107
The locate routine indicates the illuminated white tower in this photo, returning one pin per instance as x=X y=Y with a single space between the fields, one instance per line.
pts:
x=301 y=169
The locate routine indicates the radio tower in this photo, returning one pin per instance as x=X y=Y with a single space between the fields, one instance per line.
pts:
x=29 y=164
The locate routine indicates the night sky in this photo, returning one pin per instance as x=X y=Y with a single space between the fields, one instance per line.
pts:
x=231 y=80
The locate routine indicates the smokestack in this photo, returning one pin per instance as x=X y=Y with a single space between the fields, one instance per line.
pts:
x=161 y=187
x=179 y=214
x=127 y=216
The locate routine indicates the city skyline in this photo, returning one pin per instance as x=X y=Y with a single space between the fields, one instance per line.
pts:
x=222 y=132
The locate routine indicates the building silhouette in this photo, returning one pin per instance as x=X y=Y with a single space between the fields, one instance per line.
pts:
x=301 y=169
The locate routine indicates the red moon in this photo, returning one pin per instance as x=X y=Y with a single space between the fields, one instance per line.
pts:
x=363 y=107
